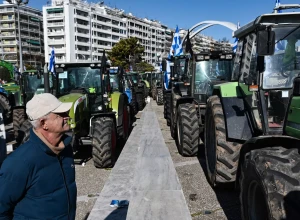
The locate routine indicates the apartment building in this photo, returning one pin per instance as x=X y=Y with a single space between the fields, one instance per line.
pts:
x=202 y=43
x=79 y=31
x=31 y=25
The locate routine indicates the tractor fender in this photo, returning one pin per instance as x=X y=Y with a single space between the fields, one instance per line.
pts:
x=101 y=115
x=123 y=100
x=181 y=88
x=237 y=123
x=261 y=142
x=147 y=84
x=183 y=100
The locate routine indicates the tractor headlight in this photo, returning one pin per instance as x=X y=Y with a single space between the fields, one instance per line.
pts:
x=100 y=108
x=105 y=103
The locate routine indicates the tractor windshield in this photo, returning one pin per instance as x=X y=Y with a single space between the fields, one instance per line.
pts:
x=135 y=78
x=180 y=67
x=282 y=67
x=34 y=83
x=80 y=77
x=211 y=72
x=114 y=82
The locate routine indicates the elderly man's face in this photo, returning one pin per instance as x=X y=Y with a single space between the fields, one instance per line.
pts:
x=58 y=122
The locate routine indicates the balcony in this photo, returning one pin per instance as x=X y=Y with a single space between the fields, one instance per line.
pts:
x=86 y=27
x=84 y=52
x=55 y=15
x=85 y=35
x=82 y=17
x=82 y=43
x=56 y=42
x=59 y=50
x=7 y=35
x=7 y=27
x=55 y=24
x=56 y=33
x=102 y=38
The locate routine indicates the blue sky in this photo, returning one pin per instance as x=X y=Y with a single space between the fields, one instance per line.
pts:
x=189 y=12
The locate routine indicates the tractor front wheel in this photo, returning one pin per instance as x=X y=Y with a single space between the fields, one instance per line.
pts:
x=23 y=133
x=104 y=142
x=270 y=183
x=221 y=155
x=19 y=116
x=159 y=97
x=5 y=108
x=187 y=130
x=140 y=100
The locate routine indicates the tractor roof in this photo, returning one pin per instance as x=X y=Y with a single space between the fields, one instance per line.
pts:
x=268 y=19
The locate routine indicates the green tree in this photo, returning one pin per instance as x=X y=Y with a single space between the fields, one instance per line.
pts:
x=126 y=52
x=4 y=74
x=144 y=67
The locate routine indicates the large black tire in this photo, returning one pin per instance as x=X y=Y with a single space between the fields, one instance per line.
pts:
x=221 y=154
x=153 y=91
x=124 y=129
x=23 y=133
x=168 y=108
x=140 y=101
x=187 y=130
x=5 y=108
x=173 y=119
x=159 y=96
x=270 y=184
x=134 y=104
x=104 y=142
x=19 y=116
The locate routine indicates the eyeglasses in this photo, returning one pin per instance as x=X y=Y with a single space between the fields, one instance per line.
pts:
x=63 y=115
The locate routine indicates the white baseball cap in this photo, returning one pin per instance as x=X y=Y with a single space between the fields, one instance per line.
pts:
x=43 y=104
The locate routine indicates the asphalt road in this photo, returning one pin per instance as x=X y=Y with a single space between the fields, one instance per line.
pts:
x=203 y=201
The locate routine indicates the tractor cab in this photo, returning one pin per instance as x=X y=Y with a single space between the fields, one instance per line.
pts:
x=210 y=69
x=116 y=79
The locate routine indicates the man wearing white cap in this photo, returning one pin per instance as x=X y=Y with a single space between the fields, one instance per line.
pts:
x=37 y=180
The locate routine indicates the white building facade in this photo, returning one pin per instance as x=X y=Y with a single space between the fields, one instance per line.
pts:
x=32 y=36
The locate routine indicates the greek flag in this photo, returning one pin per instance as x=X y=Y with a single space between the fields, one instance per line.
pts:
x=52 y=62
x=277 y=3
x=175 y=50
x=234 y=48
x=176 y=44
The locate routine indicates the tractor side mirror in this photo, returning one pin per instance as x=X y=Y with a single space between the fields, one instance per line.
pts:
x=265 y=42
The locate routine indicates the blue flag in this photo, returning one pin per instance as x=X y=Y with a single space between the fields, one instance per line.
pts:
x=52 y=62
x=234 y=48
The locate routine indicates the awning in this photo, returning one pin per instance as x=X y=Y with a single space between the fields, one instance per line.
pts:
x=34 y=19
x=55 y=10
x=34 y=42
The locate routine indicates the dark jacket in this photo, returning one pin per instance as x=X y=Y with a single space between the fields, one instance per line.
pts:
x=35 y=183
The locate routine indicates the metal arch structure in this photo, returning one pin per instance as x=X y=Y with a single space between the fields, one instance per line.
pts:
x=229 y=25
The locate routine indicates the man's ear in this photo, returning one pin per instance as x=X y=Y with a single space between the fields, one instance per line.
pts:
x=43 y=124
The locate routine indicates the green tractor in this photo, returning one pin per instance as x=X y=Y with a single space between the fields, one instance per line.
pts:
x=192 y=84
x=100 y=112
x=139 y=88
x=157 y=87
x=31 y=82
x=145 y=78
x=252 y=126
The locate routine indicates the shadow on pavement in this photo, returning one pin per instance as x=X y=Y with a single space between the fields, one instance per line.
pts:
x=118 y=214
x=228 y=198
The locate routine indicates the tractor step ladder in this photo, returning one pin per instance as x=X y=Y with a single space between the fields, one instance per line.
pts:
x=145 y=176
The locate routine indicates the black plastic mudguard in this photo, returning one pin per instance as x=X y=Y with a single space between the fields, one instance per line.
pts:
x=238 y=126
x=182 y=100
x=261 y=142
x=120 y=110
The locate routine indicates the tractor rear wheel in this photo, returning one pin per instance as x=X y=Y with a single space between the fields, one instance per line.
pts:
x=221 y=155
x=104 y=142
x=23 y=133
x=134 y=104
x=173 y=119
x=124 y=129
x=159 y=96
x=5 y=108
x=140 y=100
x=187 y=130
x=19 y=116
x=270 y=183
x=168 y=108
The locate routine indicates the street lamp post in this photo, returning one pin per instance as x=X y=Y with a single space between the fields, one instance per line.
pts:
x=18 y=3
